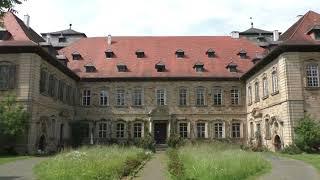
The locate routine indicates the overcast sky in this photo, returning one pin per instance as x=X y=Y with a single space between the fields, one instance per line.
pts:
x=163 y=17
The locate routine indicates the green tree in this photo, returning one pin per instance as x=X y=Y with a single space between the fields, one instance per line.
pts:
x=13 y=117
x=6 y=5
x=308 y=135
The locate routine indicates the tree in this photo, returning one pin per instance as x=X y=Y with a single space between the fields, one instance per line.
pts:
x=308 y=135
x=13 y=117
x=8 y=5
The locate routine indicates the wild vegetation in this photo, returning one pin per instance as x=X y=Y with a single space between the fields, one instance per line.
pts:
x=219 y=161
x=87 y=163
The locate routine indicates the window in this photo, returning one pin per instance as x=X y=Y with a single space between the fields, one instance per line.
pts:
x=161 y=97
x=200 y=96
x=52 y=85
x=312 y=75
x=268 y=129
x=265 y=87
x=7 y=76
x=104 y=98
x=317 y=35
x=258 y=130
x=69 y=94
x=249 y=95
x=183 y=97
x=61 y=90
x=201 y=130
x=179 y=53
x=218 y=130
x=86 y=97
x=274 y=82
x=62 y=39
x=120 y=97
x=76 y=56
x=161 y=67
x=120 y=130
x=122 y=68
x=102 y=130
x=235 y=96
x=232 y=67
x=137 y=130
x=251 y=130
x=109 y=53
x=137 y=97
x=183 y=129
x=243 y=54
x=199 y=67
x=235 y=130
x=217 y=96
x=43 y=81
x=256 y=92
x=210 y=53
x=90 y=68
x=140 y=53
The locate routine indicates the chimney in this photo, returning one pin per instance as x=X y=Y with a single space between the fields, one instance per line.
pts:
x=275 y=35
x=109 y=39
x=26 y=20
x=235 y=35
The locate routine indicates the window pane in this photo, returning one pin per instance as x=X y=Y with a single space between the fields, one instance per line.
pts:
x=183 y=97
x=200 y=97
x=183 y=130
x=217 y=96
x=120 y=97
x=218 y=129
x=86 y=98
x=161 y=97
x=312 y=75
x=201 y=130
x=137 y=97
x=137 y=130
x=103 y=98
x=235 y=97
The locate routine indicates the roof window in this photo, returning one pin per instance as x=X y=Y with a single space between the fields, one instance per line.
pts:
x=179 y=53
x=242 y=53
x=76 y=55
x=122 y=68
x=140 y=53
x=160 y=66
x=211 y=53
x=90 y=68
x=199 y=67
x=109 y=53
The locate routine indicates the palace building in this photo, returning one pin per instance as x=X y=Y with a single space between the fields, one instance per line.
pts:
x=121 y=88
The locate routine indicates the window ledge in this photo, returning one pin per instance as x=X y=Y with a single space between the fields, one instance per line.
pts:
x=312 y=88
x=218 y=105
x=265 y=97
x=275 y=93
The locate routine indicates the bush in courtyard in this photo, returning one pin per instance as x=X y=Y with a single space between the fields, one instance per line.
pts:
x=147 y=142
x=174 y=141
x=291 y=149
x=175 y=165
x=307 y=135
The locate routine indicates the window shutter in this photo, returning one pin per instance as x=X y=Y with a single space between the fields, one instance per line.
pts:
x=12 y=77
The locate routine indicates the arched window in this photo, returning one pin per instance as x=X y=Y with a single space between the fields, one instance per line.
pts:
x=312 y=75
x=7 y=75
x=256 y=92
x=265 y=87
x=268 y=129
x=274 y=82
x=104 y=98
x=235 y=96
x=200 y=96
x=137 y=130
x=102 y=130
x=249 y=95
x=120 y=130
x=183 y=96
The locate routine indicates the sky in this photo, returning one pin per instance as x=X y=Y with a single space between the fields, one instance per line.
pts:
x=163 y=17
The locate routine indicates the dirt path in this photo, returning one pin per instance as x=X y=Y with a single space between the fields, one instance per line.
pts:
x=155 y=169
x=19 y=170
x=289 y=169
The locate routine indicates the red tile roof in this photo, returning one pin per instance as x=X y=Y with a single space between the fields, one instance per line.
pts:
x=161 y=49
x=297 y=33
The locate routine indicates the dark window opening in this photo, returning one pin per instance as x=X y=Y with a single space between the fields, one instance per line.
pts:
x=76 y=56
x=90 y=68
x=232 y=67
x=160 y=67
x=109 y=53
x=140 y=53
x=122 y=68
x=210 y=53
x=199 y=67
x=242 y=54
x=62 y=39
x=5 y=35
x=180 y=53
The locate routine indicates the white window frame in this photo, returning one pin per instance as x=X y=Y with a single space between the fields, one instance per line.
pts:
x=217 y=95
x=161 y=97
x=183 y=94
x=265 y=87
x=104 y=98
x=184 y=132
x=201 y=130
x=137 y=97
x=235 y=96
x=256 y=92
x=86 y=97
x=103 y=129
x=275 y=85
x=200 y=96
x=236 y=132
x=312 y=75
x=120 y=130
x=137 y=131
x=120 y=97
x=219 y=130
x=249 y=95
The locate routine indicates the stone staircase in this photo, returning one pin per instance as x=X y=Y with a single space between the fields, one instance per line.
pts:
x=161 y=147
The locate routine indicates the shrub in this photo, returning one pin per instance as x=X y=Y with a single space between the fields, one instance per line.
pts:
x=307 y=135
x=291 y=149
x=146 y=142
x=174 y=141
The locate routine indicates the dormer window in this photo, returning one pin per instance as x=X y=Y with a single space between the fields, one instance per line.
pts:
x=160 y=66
x=199 y=67
x=261 y=38
x=62 y=39
x=62 y=59
x=90 y=68
x=180 y=53
x=109 y=53
x=4 y=34
x=232 y=67
x=243 y=54
x=211 y=53
x=314 y=32
x=122 y=68
x=140 y=53
x=76 y=56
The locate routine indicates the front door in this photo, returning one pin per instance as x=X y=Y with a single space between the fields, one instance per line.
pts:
x=160 y=133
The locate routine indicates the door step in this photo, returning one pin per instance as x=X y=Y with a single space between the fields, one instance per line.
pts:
x=161 y=147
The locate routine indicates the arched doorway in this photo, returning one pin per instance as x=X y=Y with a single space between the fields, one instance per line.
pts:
x=277 y=143
x=42 y=143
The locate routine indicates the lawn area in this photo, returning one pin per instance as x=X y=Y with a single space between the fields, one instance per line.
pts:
x=217 y=161
x=101 y=162
x=6 y=159
x=313 y=159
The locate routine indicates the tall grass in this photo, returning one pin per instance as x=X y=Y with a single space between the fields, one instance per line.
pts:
x=95 y=163
x=219 y=161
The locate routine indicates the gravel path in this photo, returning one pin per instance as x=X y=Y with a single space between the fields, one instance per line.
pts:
x=154 y=169
x=289 y=169
x=20 y=169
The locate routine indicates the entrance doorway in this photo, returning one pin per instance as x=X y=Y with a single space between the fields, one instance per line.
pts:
x=160 y=132
x=277 y=143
